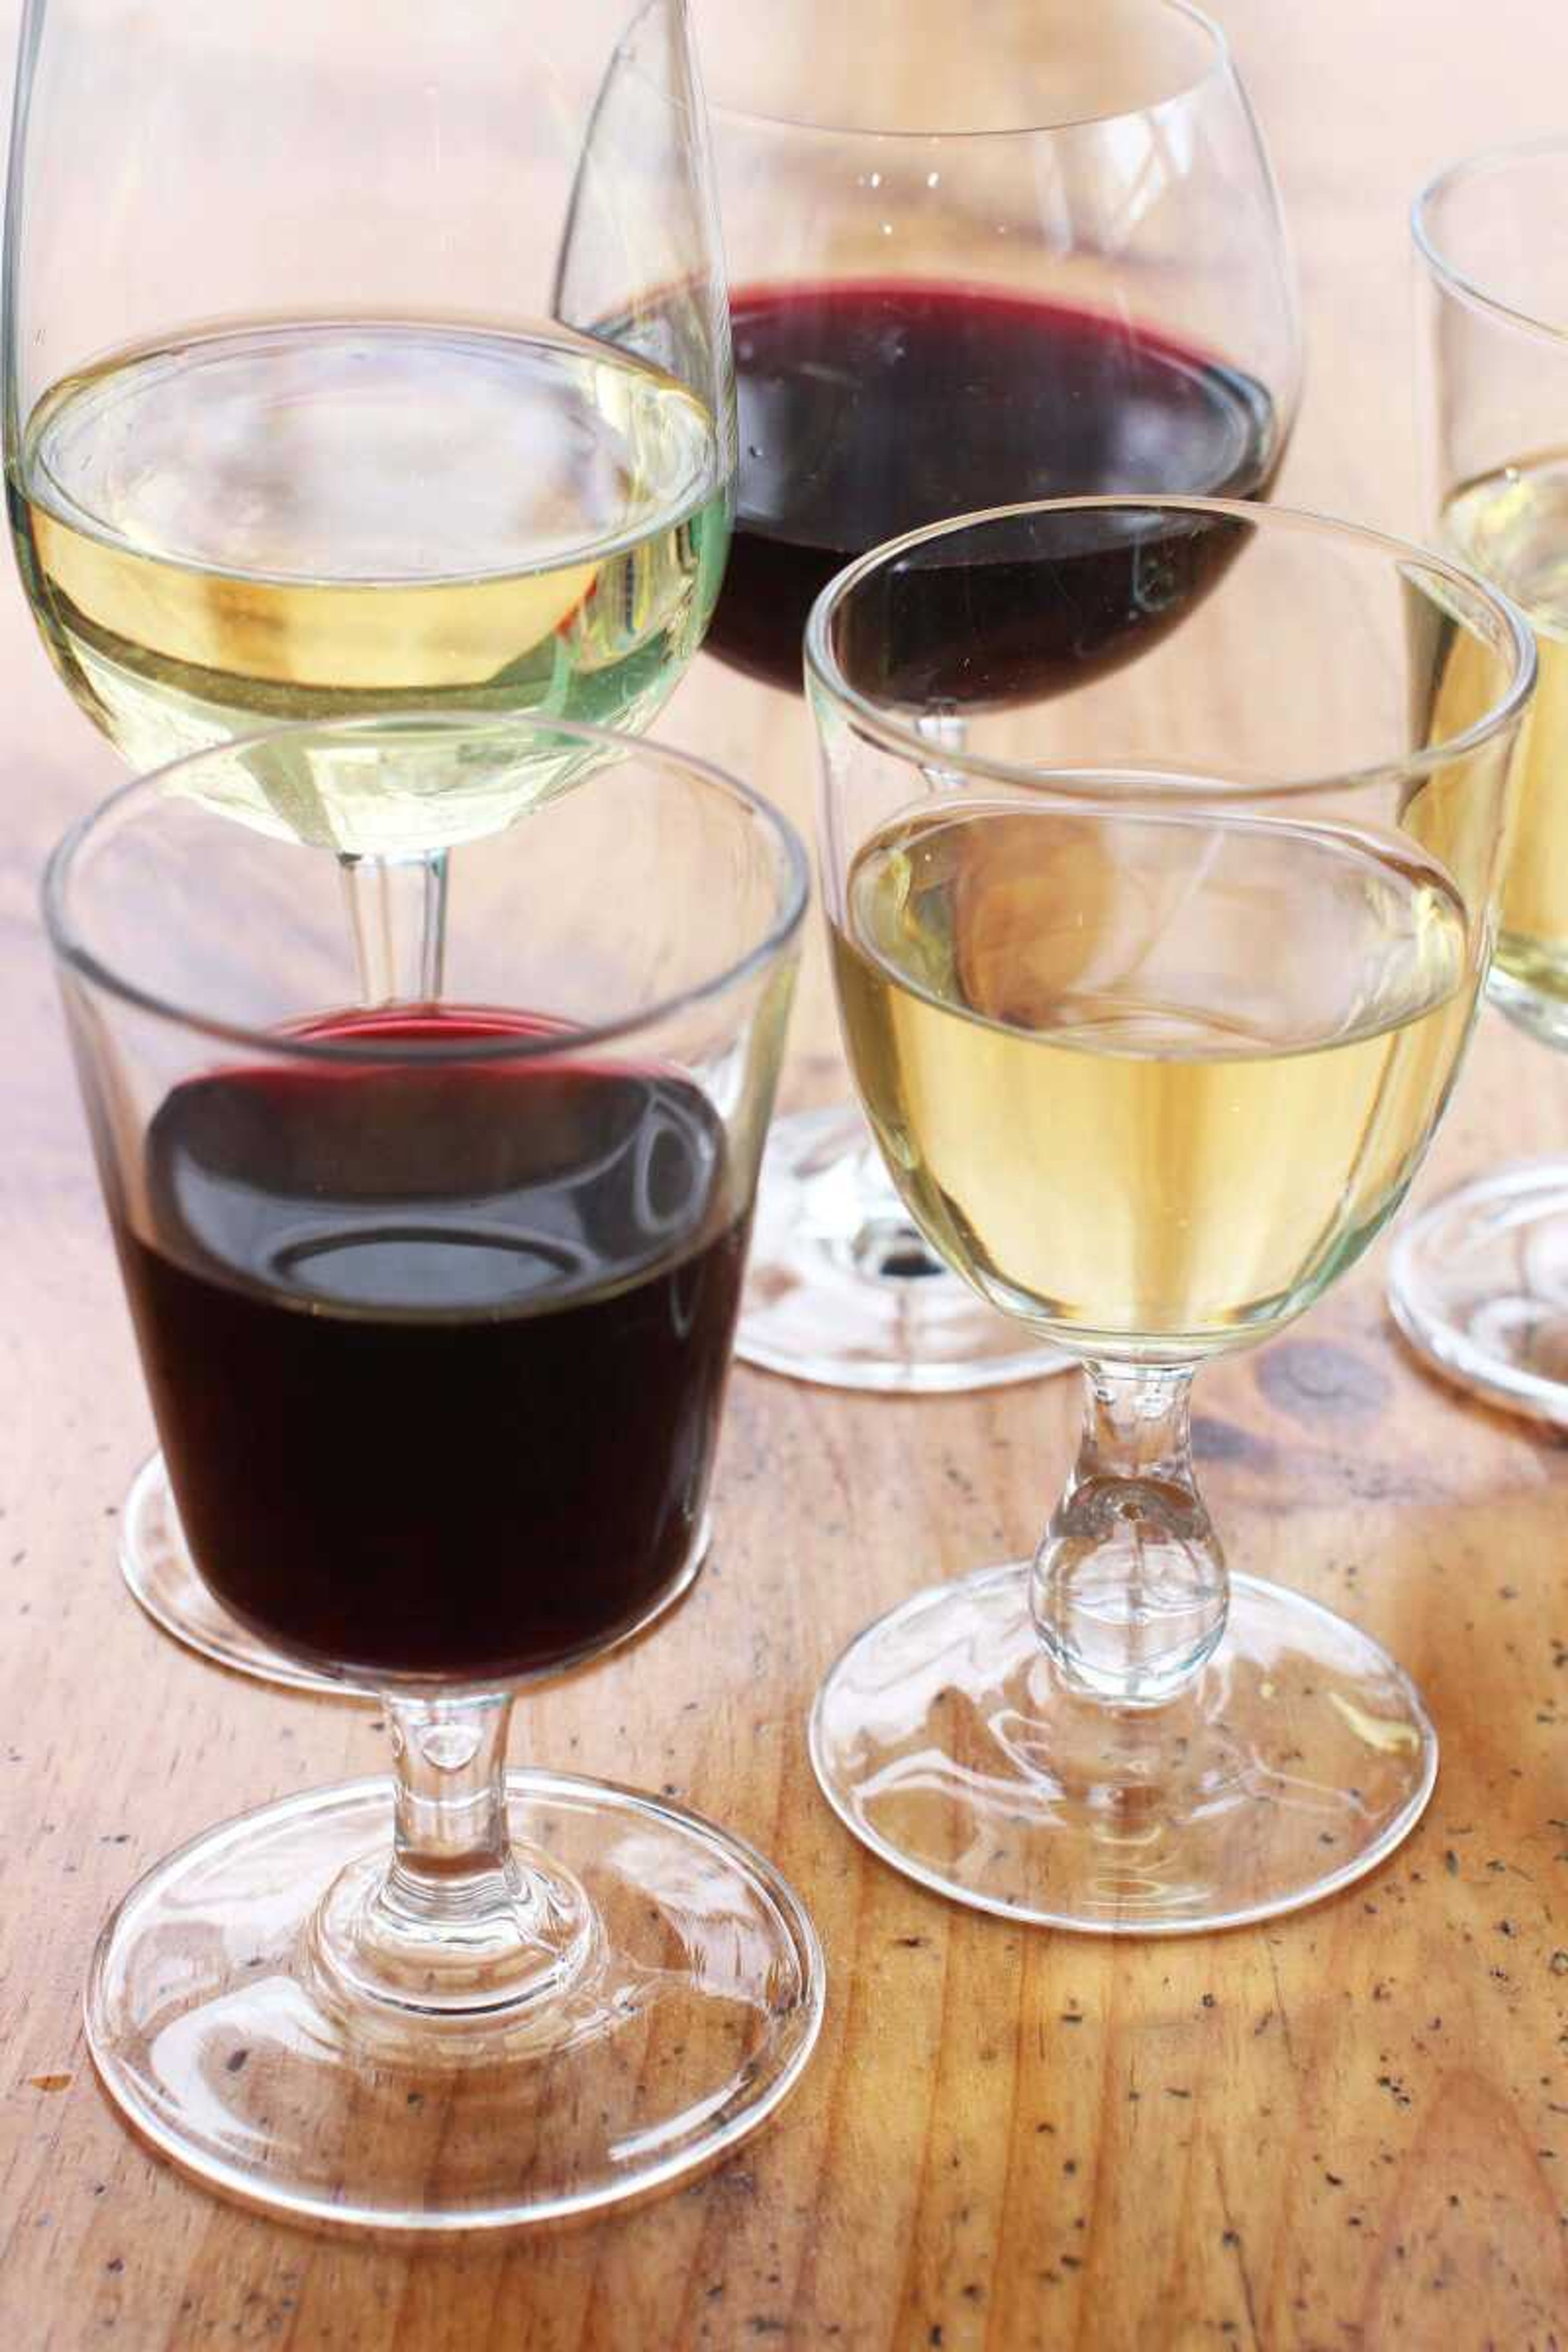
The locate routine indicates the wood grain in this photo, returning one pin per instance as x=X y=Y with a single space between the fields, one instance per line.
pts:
x=1349 y=2130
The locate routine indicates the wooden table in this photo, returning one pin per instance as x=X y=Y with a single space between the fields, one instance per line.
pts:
x=1347 y=2130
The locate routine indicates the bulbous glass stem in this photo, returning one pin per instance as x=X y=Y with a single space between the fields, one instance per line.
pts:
x=1129 y=1591
x=462 y=1924
x=397 y=912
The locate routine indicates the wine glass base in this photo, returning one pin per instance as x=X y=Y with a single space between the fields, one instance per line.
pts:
x=690 y=2021
x=157 y=1564
x=1479 y=1285
x=1294 y=1762
x=842 y=1290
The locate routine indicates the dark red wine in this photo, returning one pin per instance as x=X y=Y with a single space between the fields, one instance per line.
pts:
x=436 y=1353
x=869 y=407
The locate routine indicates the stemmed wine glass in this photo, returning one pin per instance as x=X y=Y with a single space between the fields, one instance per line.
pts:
x=967 y=265
x=380 y=361
x=434 y=1305
x=1154 y=994
x=1479 y=1281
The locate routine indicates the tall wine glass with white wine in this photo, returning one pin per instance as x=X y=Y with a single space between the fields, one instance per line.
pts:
x=379 y=363
x=1479 y=1281
x=1154 y=994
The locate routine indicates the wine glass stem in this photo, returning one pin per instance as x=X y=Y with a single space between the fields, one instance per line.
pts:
x=463 y=1922
x=397 y=913
x=449 y=1825
x=1129 y=1589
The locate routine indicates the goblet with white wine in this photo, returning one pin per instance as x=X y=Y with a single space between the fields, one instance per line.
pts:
x=1154 y=993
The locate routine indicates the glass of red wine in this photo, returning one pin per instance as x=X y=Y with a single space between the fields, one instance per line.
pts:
x=969 y=265
x=434 y=1305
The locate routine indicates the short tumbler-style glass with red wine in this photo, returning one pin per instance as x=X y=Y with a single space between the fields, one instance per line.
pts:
x=434 y=1305
x=969 y=263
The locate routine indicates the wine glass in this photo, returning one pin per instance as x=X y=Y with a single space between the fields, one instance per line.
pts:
x=968 y=263
x=1479 y=1281
x=1153 y=995
x=435 y=1303
x=380 y=361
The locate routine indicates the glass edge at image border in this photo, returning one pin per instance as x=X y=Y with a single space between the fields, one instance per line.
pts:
x=1447 y=273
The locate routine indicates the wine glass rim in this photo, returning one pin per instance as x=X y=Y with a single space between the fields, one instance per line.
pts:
x=73 y=952
x=905 y=741
x=1443 y=183
x=1217 y=66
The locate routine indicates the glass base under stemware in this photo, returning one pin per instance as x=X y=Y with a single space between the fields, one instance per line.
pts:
x=155 y=1562
x=1294 y=1762
x=842 y=1289
x=690 y=2016
x=1479 y=1284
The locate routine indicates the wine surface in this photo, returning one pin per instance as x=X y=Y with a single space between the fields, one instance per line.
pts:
x=436 y=1353
x=1513 y=528
x=1150 y=1080
x=330 y=519
x=869 y=407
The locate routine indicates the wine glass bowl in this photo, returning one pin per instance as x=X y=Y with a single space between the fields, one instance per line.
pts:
x=1154 y=993
x=381 y=364
x=292 y=432
x=435 y=1306
x=1479 y=1282
x=1069 y=276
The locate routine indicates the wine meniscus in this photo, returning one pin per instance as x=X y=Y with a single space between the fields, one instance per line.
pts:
x=313 y=521
x=1513 y=528
x=1151 y=1078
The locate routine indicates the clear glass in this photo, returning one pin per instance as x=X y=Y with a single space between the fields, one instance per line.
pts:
x=1477 y=1281
x=1070 y=274
x=1154 y=994
x=378 y=359
x=435 y=1306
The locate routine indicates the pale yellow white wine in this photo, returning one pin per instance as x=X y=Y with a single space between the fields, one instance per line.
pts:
x=1513 y=528
x=328 y=519
x=1150 y=1080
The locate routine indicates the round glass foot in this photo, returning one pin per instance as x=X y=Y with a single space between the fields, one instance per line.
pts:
x=1479 y=1284
x=843 y=1291
x=157 y=1566
x=691 y=2007
x=1296 y=1760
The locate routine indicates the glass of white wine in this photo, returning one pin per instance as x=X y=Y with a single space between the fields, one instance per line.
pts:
x=1479 y=1281
x=1154 y=993
x=380 y=361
